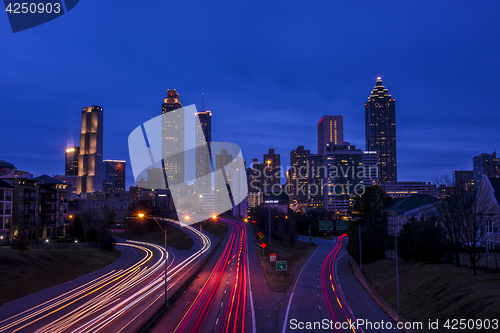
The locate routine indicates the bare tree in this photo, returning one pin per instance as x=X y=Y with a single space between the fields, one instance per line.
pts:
x=464 y=216
x=451 y=211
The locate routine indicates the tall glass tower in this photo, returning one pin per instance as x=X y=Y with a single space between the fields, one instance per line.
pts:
x=173 y=138
x=380 y=120
x=203 y=151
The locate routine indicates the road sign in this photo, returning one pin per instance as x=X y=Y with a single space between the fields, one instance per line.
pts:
x=272 y=257
x=281 y=265
x=263 y=245
x=342 y=225
x=326 y=225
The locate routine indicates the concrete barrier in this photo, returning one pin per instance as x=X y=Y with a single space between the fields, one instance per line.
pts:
x=381 y=302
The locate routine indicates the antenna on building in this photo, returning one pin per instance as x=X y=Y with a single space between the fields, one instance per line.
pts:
x=203 y=101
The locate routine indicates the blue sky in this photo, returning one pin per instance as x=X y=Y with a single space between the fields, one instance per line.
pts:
x=269 y=71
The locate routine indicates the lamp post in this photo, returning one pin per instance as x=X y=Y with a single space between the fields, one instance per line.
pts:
x=141 y=215
x=397 y=267
x=360 y=258
x=1 y=241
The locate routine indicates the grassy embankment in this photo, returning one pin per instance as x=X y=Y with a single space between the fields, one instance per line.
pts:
x=295 y=256
x=437 y=291
x=38 y=269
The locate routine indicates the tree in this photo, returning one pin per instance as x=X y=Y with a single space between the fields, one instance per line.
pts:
x=464 y=216
x=422 y=239
x=368 y=214
x=76 y=229
x=282 y=225
x=21 y=242
x=373 y=201
x=109 y=216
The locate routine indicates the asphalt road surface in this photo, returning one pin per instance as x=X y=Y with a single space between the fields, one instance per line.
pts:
x=220 y=301
x=113 y=299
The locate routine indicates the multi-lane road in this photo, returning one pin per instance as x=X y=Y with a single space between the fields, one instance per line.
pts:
x=327 y=296
x=110 y=300
x=223 y=301
x=229 y=295
x=232 y=294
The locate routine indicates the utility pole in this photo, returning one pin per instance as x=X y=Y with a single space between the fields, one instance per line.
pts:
x=359 y=247
x=269 y=223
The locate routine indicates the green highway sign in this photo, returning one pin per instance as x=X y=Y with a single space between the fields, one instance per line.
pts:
x=326 y=225
x=342 y=225
x=281 y=265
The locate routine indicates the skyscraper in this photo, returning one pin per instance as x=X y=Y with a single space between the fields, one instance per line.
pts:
x=343 y=181
x=71 y=161
x=315 y=180
x=297 y=176
x=484 y=164
x=90 y=158
x=114 y=176
x=271 y=173
x=221 y=161
x=464 y=180
x=173 y=138
x=380 y=121
x=370 y=168
x=203 y=151
x=330 y=129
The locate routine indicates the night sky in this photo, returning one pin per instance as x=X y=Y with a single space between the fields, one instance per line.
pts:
x=269 y=71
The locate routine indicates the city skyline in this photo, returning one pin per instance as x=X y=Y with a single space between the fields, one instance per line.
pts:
x=440 y=57
x=279 y=186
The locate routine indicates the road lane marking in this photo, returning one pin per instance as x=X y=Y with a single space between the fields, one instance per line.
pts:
x=293 y=290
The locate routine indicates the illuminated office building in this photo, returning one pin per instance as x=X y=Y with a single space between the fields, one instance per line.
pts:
x=90 y=171
x=297 y=175
x=380 y=121
x=173 y=138
x=343 y=180
x=370 y=168
x=330 y=129
x=271 y=173
x=71 y=161
x=203 y=152
x=114 y=176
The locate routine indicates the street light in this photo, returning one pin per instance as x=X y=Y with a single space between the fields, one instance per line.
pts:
x=141 y=215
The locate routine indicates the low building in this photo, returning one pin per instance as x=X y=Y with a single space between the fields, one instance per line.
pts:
x=405 y=189
x=488 y=198
x=416 y=205
x=279 y=202
x=53 y=207
x=6 y=192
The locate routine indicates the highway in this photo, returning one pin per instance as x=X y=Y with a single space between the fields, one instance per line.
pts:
x=222 y=303
x=113 y=299
x=325 y=290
